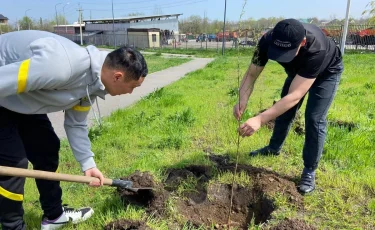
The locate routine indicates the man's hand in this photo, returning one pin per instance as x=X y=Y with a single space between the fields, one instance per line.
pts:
x=238 y=110
x=94 y=172
x=250 y=126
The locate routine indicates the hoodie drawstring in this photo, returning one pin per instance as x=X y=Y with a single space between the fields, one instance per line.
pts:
x=98 y=120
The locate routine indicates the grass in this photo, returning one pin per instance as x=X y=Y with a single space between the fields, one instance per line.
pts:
x=156 y=63
x=171 y=127
x=204 y=53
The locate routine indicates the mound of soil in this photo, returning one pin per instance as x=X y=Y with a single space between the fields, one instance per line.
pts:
x=151 y=199
x=207 y=203
x=343 y=124
x=293 y=224
x=126 y=225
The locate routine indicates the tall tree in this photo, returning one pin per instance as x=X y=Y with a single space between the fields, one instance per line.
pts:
x=25 y=23
x=370 y=11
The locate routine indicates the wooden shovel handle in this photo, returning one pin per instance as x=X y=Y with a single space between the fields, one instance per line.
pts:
x=37 y=174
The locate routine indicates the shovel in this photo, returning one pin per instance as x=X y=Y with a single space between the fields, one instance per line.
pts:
x=37 y=174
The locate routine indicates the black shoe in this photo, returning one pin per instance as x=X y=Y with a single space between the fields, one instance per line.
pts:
x=265 y=151
x=307 y=183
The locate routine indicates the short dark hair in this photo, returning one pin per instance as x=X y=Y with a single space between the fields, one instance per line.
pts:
x=129 y=60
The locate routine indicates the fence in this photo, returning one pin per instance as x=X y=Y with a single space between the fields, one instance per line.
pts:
x=360 y=37
x=146 y=41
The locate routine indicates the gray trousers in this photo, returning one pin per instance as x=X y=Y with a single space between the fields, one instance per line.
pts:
x=321 y=95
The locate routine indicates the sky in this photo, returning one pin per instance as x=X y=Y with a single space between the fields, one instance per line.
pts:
x=213 y=9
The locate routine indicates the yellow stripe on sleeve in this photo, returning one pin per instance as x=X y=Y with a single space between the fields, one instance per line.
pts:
x=22 y=76
x=81 y=108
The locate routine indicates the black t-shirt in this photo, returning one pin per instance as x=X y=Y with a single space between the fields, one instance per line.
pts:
x=318 y=57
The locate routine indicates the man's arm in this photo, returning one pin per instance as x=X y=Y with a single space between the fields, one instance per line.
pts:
x=77 y=132
x=248 y=82
x=76 y=129
x=47 y=68
x=298 y=88
x=259 y=60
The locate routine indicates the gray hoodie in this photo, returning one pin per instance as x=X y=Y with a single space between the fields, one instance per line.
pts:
x=41 y=72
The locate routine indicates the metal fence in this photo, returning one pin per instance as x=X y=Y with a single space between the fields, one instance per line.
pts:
x=360 y=37
x=145 y=41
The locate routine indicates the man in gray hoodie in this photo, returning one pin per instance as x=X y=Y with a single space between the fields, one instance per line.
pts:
x=40 y=73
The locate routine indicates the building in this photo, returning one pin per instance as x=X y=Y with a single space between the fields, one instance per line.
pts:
x=144 y=38
x=3 y=20
x=69 y=29
x=109 y=31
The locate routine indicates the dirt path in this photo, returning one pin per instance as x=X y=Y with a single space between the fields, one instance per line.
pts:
x=152 y=82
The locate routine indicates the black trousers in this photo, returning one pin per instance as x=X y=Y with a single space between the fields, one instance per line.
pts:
x=26 y=138
x=321 y=95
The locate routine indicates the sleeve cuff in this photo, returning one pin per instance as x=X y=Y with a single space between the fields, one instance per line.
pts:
x=87 y=163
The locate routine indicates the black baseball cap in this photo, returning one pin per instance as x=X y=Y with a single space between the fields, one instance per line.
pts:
x=285 y=40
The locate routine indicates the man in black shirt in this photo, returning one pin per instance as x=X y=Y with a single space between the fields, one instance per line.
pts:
x=313 y=64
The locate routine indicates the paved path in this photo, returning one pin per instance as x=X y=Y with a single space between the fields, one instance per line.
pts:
x=152 y=82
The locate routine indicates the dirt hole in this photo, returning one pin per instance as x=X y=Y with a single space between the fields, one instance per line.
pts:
x=210 y=206
x=152 y=200
x=200 y=200
x=343 y=124
x=126 y=225
x=293 y=224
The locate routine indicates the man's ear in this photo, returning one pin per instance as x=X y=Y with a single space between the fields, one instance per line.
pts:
x=303 y=43
x=118 y=76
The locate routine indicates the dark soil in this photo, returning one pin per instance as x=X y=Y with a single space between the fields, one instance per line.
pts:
x=153 y=200
x=126 y=225
x=207 y=204
x=293 y=224
x=343 y=124
x=299 y=126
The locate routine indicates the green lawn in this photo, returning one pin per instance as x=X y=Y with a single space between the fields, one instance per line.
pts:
x=173 y=126
x=156 y=63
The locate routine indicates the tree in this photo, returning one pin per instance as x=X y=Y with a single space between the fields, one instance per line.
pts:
x=5 y=29
x=370 y=11
x=25 y=23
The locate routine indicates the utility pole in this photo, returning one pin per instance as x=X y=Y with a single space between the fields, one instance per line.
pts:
x=80 y=24
x=345 y=32
x=113 y=26
x=225 y=13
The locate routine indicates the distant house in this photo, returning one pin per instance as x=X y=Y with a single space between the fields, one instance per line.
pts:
x=3 y=20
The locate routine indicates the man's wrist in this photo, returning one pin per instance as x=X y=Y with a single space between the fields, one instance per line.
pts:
x=87 y=163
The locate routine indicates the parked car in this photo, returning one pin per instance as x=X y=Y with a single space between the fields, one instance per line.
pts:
x=248 y=43
x=211 y=37
x=201 y=38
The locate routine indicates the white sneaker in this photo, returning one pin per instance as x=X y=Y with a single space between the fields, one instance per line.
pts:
x=69 y=215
